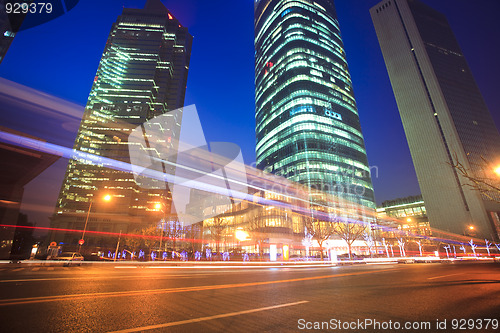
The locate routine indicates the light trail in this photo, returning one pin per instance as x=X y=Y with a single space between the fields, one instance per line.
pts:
x=270 y=181
x=195 y=240
x=101 y=161
x=103 y=233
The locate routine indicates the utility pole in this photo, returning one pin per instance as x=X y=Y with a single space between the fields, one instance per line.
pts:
x=118 y=245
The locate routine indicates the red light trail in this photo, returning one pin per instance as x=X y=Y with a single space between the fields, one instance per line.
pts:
x=102 y=233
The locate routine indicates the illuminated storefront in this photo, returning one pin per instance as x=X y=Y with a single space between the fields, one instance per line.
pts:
x=406 y=214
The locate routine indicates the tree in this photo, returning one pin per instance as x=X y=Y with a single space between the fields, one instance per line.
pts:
x=23 y=239
x=487 y=183
x=150 y=236
x=349 y=232
x=320 y=231
x=192 y=235
x=173 y=231
x=216 y=229
x=369 y=242
x=256 y=229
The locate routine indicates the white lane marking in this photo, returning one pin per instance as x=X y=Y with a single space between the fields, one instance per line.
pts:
x=17 y=269
x=442 y=276
x=50 y=268
x=125 y=266
x=196 y=320
x=36 y=269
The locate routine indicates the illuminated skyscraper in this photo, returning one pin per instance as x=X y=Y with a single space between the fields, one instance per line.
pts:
x=307 y=123
x=142 y=74
x=445 y=118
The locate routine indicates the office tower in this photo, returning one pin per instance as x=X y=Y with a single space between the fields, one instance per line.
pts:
x=307 y=123
x=444 y=115
x=142 y=74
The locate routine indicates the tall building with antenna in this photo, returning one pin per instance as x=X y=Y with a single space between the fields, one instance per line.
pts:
x=142 y=74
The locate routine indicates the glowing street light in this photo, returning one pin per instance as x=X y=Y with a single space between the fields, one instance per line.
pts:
x=497 y=170
x=471 y=227
x=107 y=197
x=241 y=234
x=159 y=207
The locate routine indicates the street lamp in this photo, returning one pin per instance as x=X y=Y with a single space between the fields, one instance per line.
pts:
x=497 y=170
x=241 y=234
x=158 y=207
x=107 y=197
x=470 y=230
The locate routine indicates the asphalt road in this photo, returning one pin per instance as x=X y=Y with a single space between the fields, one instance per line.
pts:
x=108 y=298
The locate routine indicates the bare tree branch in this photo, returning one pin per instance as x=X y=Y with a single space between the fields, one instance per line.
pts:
x=487 y=186
x=350 y=232
x=320 y=231
x=216 y=229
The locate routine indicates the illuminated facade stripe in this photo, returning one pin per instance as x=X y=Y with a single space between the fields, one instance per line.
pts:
x=307 y=123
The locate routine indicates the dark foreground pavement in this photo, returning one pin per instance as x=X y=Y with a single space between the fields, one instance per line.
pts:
x=364 y=298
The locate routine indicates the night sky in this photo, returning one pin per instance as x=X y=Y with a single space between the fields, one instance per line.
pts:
x=61 y=58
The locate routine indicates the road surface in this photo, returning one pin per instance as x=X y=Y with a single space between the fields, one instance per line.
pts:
x=135 y=298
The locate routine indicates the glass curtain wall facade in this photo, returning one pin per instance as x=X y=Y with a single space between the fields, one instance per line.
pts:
x=444 y=115
x=307 y=123
x=142 y=74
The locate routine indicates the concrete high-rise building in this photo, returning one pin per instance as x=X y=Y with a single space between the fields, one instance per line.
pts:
x=142 y=74
x=307 y=122
x=444 y=116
